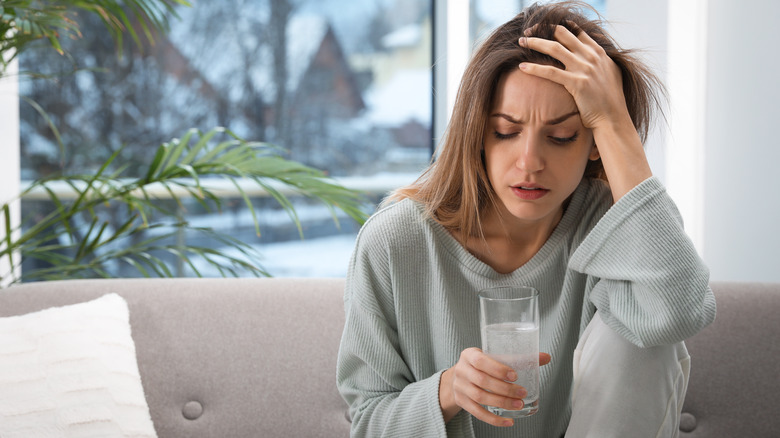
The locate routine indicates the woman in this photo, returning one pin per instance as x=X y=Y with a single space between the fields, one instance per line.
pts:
x=541 y=180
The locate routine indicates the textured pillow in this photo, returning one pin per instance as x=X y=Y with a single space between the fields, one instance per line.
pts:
x=71 y=372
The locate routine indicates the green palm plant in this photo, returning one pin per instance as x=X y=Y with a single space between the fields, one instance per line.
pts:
x=78 y=237
x=183 y=168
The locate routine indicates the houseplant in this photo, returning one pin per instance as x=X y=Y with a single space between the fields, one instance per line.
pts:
x=77 y=239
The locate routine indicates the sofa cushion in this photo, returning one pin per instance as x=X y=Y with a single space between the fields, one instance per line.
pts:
x=71 y=371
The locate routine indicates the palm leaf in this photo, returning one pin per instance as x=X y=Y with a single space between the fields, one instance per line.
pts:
x=26 y=21
x=94 y=247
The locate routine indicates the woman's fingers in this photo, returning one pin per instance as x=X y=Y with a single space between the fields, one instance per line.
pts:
x=489 y=376
x=581 y=35
x=483 y=414
x=548 y=72
x=550 y=47
x=572 y=43
x=473 y=399
x=478 y=394
x=558 y=51
x=563 y=46
x=497 y=384
x=575 y=52
x=480 y=380
x=482 y=362
x=590 y=75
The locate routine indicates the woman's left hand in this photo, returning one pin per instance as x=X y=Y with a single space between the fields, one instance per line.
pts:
x=595 y=82
x=591 y=76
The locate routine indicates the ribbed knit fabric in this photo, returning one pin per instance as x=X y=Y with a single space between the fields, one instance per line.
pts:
x=411 y=305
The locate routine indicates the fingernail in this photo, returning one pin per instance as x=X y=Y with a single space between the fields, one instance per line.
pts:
x=508 y=423
x=522 y=41
x=523 y=66
x=517 y=404
x=511 y=376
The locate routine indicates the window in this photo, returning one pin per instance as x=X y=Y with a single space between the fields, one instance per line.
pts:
x=344 y=89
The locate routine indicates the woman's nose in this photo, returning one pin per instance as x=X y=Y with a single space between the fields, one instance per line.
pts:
x=529 y=155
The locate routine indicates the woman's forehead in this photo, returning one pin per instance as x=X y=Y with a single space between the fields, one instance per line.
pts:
x=520 y=95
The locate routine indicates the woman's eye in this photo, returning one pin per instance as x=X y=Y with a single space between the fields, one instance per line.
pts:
x=501 y=136
x=565 y=140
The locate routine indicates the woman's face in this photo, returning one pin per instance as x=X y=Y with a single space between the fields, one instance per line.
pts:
x=536 y=148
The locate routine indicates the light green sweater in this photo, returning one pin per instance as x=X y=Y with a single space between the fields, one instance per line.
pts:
x=411 y=305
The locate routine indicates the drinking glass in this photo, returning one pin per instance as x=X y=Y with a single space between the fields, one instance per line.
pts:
x=509 y=325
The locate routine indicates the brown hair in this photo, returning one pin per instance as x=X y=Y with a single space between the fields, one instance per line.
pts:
x=455 y=188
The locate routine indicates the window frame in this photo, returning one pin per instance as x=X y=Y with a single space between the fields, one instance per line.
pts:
x=10 y=183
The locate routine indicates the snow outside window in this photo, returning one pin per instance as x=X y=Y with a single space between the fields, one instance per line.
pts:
x=345 y=88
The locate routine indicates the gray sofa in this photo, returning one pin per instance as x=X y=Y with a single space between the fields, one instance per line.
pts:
x=257 y=357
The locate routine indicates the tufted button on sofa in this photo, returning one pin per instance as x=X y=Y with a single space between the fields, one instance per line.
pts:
x=192 y=410
x=687 y=422
x=257 y=357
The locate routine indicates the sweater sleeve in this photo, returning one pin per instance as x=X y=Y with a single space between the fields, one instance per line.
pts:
x=653 y=287
x=384 y=397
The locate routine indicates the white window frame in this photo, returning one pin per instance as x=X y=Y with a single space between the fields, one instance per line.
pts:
x=9 y=151
x=450 y=56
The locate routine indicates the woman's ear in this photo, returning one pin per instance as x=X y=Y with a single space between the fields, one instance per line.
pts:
x=594 y=153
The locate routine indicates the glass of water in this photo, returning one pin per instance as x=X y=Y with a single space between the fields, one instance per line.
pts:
x=509 y=325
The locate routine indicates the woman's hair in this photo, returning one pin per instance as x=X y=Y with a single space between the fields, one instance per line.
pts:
x=455 y=188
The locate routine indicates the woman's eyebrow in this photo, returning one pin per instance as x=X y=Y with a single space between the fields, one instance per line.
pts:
x=562 y=118
x=508 y=118
x=554 y=121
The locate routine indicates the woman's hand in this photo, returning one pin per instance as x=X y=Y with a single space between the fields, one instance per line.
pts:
x=591 y=76
x=476 y=380
x=595 y=82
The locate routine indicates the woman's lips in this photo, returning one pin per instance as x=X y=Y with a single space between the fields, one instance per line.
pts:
x=530 y=192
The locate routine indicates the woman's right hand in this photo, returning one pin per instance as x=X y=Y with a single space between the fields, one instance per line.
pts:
x=477 y=380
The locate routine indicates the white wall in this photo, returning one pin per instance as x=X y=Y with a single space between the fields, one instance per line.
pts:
x=721 y=158
x=9 y=149
x=641 y=25
x=742 y=153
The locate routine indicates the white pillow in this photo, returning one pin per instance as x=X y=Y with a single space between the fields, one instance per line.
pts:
x=71 y=372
